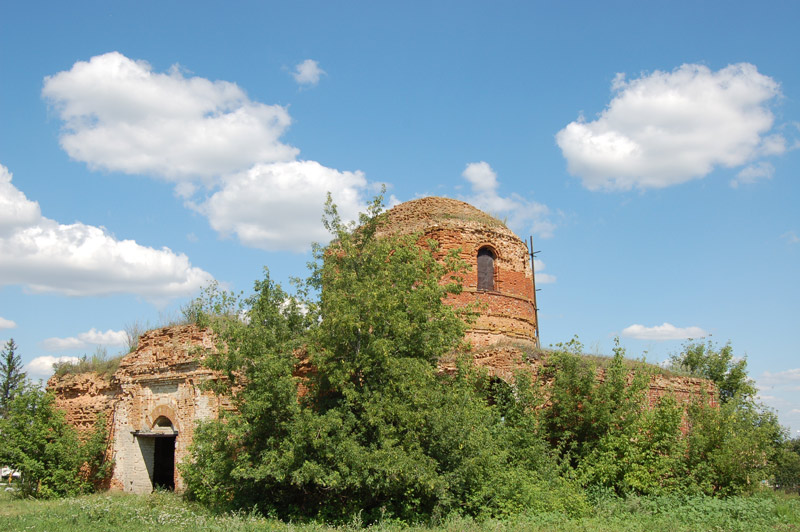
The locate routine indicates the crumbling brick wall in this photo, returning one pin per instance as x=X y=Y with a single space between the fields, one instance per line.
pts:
x=162 y=377
x=83 y=397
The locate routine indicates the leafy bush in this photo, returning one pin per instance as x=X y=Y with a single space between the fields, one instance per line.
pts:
x=586 y=404
x=645 y=457
x=52 y=460
x=731 y=448
x=787 y=466
x=719 y=365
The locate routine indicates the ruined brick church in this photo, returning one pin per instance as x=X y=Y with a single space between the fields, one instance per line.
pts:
x=154 y=399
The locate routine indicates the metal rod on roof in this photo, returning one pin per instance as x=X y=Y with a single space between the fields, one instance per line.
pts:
x=535 y=306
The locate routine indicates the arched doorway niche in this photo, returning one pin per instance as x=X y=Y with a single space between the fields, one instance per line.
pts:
x=157 y=445
x=487 y=269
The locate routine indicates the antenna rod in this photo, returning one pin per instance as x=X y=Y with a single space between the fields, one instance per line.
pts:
x=535 y=306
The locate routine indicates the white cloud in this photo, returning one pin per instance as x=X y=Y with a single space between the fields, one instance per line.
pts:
x=16 y=210
x=753 y=173
x=7 y=324
x=780 y=378
x=119 y=115
x=542 y=278
x=279 y=206
x=222 y=150
x=522 y=215
x=791 y=237
x=86 y=339
x=782 y=387
x=42 y=367
x=307 y=73
x=80 y=260
x=666 y=331
x=667 y=128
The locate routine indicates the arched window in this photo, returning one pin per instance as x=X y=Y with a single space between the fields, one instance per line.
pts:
x=163 y=424
x=485 y=269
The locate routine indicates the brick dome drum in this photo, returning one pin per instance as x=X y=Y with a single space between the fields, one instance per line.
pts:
x=500 y=280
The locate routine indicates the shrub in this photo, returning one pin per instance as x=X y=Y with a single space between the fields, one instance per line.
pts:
x=39 y=443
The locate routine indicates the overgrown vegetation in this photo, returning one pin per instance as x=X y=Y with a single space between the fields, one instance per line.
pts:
x=379 y=434
x=99 y=363
x=477 y=216
x=52 y=460
x=719 y=365
x=763 y=511
x=787 y=466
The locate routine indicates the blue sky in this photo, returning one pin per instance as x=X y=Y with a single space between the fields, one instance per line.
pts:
x=649 y=148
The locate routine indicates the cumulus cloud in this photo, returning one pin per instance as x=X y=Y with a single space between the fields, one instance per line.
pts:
x=667 y=128
x=120 y=115
x=16 y=210
x=753 y=173
x=6 y=324
x=666 y=331
x=279 y=206
x=42 y=367
x=79 y=260
x=523 y=215
x=221 y=150
x=307 y=73
x=92 y=337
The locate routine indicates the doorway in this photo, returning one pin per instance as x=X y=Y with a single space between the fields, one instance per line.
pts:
x=164 y=463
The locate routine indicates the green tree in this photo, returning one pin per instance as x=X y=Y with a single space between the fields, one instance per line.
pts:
x=586 y=403
x=787 y=466
x=719 y=365
x=733 y=447
x=12 y=378
x=646 y=456
x=44 y=448
x=377 y=430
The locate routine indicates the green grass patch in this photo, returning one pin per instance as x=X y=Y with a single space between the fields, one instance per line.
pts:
x=99 y=363
x=764 y=510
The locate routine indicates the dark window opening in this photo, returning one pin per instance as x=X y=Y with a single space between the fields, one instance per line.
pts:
x=485 y=269
x=164 y=463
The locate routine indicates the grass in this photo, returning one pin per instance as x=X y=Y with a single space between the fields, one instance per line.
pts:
x=481 y=218
x=762 y=511
x=603 y=361
x=99 y=363
x=532 y=354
